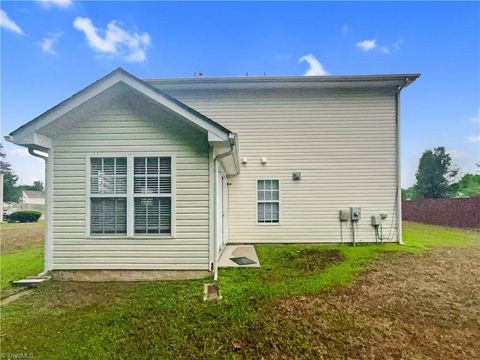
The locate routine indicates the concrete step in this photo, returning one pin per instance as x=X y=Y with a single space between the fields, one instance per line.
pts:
x=31 y=281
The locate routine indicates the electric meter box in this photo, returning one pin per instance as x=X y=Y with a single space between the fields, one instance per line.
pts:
x=355 y=213
x=344 y=215
x=376 y=220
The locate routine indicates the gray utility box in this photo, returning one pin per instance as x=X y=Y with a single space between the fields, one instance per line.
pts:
x=344 y=215
x=376 y=220
x=355 y=213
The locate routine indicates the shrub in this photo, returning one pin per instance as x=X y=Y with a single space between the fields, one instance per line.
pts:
x=25 y=216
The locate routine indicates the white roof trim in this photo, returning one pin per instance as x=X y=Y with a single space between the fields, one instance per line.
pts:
x=284 y=82
x=34 y=139
x=22 y=134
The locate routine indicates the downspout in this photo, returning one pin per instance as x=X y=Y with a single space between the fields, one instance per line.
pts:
x=215 y=201
x=47 y=242
x=399 y=180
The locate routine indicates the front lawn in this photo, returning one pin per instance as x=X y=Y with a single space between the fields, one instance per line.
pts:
x=18 y=236
x=21 y=253
x=259 y=315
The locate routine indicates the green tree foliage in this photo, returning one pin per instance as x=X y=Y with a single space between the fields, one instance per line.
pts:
x=11 y=192
x=410 y=193
x=37 y=186
x=435 y=174
x=468 y=186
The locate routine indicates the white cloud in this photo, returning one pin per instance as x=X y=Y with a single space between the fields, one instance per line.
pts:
x=8 y=23
x=131 y=46
x=345 y=28
x=315 y=67
x=47 y=43
x=58 y=3
x=475 y=138
x=367 y=45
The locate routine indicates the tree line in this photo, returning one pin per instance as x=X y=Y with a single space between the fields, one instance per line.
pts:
x=437 y=177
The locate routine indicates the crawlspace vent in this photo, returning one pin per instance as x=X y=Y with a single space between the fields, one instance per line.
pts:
x=242 y=260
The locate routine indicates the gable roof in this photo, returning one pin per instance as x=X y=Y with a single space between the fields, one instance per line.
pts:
x=34 y=194
x=119 y=76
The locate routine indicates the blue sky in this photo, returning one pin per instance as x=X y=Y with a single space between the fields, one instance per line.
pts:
x=51 y=49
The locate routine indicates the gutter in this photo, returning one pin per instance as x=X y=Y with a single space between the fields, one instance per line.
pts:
x=232 y=140
x=275 y=82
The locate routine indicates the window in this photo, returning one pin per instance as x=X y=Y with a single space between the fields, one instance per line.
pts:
x=268 y=202
x=152 y=192
x=131 y=202
x=108 y=195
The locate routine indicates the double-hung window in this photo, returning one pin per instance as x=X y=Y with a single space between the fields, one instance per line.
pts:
x=108 y=195
x=131 y=195
x=268 y=202
x=152 y=195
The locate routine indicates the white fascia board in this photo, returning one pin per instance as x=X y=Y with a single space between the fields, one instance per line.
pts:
x=284 y=82
x=35 y=139
x=213 y=138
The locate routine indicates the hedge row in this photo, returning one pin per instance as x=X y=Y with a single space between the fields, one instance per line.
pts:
x=25 y=216
x=463 y=213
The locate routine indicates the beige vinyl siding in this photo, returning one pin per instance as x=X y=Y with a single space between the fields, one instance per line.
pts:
x=122 y=128
x=342 y=141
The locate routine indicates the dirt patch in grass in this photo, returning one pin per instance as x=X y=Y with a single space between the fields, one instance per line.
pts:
x=313 y=260
x=15 y=237
x=405 y=307
x=84 y=294
x=304 y=261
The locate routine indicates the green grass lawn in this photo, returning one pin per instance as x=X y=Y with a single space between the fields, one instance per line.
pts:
x=21 y=253
x=18 y=265
x=169 y=319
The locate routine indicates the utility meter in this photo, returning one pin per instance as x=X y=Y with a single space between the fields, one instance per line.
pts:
x=376 y=220
x=355 y=213
x=344 y=215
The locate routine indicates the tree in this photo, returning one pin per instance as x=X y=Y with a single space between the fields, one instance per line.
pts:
x=468 y=186
x=435 y=174
x=37 y=186
x=409 y=193
x=11 y=192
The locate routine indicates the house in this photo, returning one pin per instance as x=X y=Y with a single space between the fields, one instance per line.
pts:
x=33 y=200
x=160 y=174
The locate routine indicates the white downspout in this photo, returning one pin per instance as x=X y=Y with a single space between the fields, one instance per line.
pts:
x=47 y=266
x=399 y=180
x=215 y=201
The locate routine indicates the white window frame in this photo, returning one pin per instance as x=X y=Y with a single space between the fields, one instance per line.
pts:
x=131 y=195
x=279 y=202
x=102 y=195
